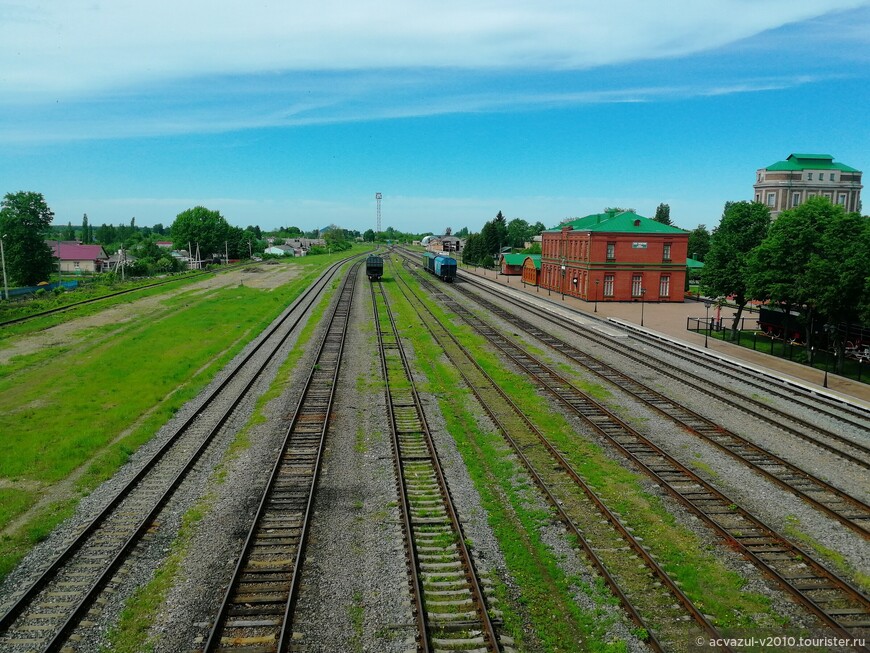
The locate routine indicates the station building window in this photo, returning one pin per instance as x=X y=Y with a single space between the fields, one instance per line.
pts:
x=608 y=285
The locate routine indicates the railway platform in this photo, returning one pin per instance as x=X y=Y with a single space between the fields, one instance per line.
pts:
x=669 y=321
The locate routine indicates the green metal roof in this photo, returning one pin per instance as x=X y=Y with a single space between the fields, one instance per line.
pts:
x=514 y=259
x=536 y=259
x=809 y=162
x=692 y=263
x=612 y=222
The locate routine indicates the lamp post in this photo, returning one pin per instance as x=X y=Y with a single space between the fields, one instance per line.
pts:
x=562 y=285
x=597 y=281
x=829 y=330
x=707 y=323
x=3 y=259
x=642 y=293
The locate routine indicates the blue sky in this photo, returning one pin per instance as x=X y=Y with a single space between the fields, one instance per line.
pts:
x=286 y=113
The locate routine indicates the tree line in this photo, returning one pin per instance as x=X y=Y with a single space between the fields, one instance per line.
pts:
x=813 y=258
x=483 y=248
x=26 y=226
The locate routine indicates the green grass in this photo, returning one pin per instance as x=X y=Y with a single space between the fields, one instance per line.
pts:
x=547 y=617
x=140 y=611
x=23 y=308
x=713 y=588
x=14 y=547
x=14 y=501
x=835 y=558
x=90 y=406
x=131 y=633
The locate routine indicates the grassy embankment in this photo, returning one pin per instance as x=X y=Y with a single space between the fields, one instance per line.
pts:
x=91 y=289
x=715 y=589
x=74 y=414
x=132 y=632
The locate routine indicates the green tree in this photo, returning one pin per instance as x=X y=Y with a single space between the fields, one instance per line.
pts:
x=699 y=242
x=474 y=253
x=200 y=226
x=742 y=228
x=495 y=236
x=87 y=236
x=68 y=233
x=663 y=214
x=518 y=232
x=369 y=236
x=106 y=234
x=815 y=258
x=25 y=221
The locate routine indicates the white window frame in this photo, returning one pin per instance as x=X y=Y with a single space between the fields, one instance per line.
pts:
x=608 y=285
x=665 y=285
x=636 y=285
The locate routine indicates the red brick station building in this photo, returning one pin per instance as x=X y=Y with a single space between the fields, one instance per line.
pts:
x=615 y=257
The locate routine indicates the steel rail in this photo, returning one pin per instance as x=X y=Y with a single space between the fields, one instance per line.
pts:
x=848 y=607
x=834 y=502
x=716 y=392
x=840 y=410
x=293 y=472
x=478 y=597
x=462 y=358
x=22 y=602
x=60 y=309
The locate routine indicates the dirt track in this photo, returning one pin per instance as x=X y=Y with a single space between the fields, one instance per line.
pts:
x=62 y=335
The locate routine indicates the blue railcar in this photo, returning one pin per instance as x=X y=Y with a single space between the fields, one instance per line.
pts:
x=443 y=267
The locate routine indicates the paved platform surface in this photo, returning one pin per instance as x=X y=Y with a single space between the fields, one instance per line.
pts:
x=670 y=320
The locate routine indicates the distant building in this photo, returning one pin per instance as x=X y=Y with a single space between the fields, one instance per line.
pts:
x=787 y=184
x=77 y=258
x=280 y=250
x=615 y=256
x=443 y=244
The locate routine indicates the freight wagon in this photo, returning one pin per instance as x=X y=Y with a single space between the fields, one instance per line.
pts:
x=374 y=267
x=443 y=267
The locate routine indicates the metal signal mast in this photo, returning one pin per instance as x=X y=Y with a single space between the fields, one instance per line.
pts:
x=378 y=198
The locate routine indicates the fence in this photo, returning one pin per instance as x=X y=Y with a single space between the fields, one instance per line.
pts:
x=29 y=290
x=749 y=335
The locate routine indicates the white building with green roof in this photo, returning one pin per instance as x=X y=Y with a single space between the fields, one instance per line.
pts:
x=787 y=184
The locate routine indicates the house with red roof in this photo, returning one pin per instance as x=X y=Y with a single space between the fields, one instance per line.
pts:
x=77 y=258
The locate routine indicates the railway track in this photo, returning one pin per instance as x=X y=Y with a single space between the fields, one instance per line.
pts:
x=93 y=300
x=836 y=503
x=53 y=610
x=836 y=602
x=652 y=600
x=257 y=612
x=449 y=602
x=850 y=416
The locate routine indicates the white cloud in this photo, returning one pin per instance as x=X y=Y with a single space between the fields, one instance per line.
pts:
x=75 y=48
